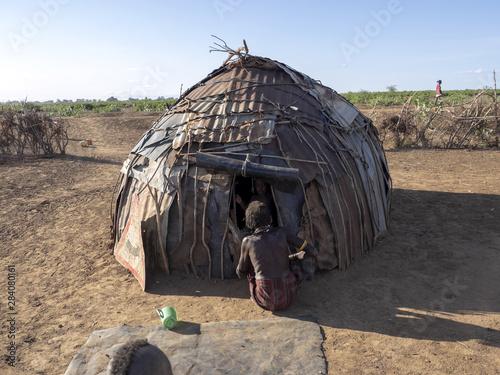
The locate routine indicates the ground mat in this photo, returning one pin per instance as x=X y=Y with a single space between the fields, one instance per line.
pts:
x=269 y=346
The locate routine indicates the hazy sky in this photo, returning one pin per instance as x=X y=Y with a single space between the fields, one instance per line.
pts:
x=69 y=49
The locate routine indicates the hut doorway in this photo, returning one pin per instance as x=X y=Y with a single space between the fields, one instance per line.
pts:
x=249 y=189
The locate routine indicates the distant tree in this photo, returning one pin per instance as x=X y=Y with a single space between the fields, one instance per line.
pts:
x=160 y=98
x=111 y=99
x=392 y=88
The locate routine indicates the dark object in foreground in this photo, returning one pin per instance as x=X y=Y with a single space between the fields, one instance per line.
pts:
x=138 y=357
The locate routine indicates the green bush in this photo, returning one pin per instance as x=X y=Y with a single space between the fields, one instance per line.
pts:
x=108 y=108
x=153 y=105
x=67 y=108
x=427 y=97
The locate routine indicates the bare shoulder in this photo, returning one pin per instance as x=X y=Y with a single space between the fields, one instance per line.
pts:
x=245 y=242
x=249 y=238
x=248 y=241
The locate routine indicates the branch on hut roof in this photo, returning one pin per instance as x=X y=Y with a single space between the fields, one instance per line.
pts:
x=241 y=52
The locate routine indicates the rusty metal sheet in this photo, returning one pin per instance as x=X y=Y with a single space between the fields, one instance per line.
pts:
x=130 y=251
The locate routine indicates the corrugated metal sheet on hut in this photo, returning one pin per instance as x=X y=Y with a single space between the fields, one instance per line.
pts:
x=254 y=117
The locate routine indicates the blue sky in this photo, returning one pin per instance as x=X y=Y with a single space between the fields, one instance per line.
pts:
x=69 y=49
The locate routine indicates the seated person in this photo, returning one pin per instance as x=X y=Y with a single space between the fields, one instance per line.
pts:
x=273 y=276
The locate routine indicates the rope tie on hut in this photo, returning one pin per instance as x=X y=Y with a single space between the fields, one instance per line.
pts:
x=244 y=166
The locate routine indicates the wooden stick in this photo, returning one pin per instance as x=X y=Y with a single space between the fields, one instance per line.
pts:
x=179 y=201
x=308 y=210
x=195 y=223
x=225 y=233
x=421 y=133
x=497 y=124
x=203 y=229
x=158 y=228
x=280 y=220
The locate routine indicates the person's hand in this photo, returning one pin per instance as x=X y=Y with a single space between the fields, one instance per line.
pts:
x=300 y=255
x=238 y=199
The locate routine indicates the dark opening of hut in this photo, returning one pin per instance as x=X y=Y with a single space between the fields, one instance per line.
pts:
x=252 y=121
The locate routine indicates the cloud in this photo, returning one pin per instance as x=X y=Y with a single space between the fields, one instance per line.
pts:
x=476 y=71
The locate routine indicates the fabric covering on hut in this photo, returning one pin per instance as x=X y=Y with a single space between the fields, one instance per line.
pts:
x=175 y=206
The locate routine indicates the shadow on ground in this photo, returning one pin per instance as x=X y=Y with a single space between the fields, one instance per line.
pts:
x=438 y=261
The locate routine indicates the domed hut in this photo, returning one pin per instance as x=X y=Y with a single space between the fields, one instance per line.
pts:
x=253 y=118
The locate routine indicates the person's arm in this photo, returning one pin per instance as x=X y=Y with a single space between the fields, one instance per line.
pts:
x=244 y=263
x=242 y=204
x=303 y=248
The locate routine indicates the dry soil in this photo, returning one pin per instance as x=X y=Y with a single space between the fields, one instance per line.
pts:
x=425 y=300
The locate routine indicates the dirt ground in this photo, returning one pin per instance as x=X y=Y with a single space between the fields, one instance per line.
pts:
x=425 y=300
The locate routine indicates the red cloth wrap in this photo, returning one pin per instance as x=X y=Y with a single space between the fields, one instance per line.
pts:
x=275 y=294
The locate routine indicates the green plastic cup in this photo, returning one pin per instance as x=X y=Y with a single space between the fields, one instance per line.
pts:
x=168 y=317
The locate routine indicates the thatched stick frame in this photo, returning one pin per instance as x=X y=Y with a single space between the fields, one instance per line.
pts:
x=347 y=223
x=287 y=160
x=329 y=205
x=405 y=107
x=26 y=128
x=421 y=133
x=316 y=155
x=377 y=148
